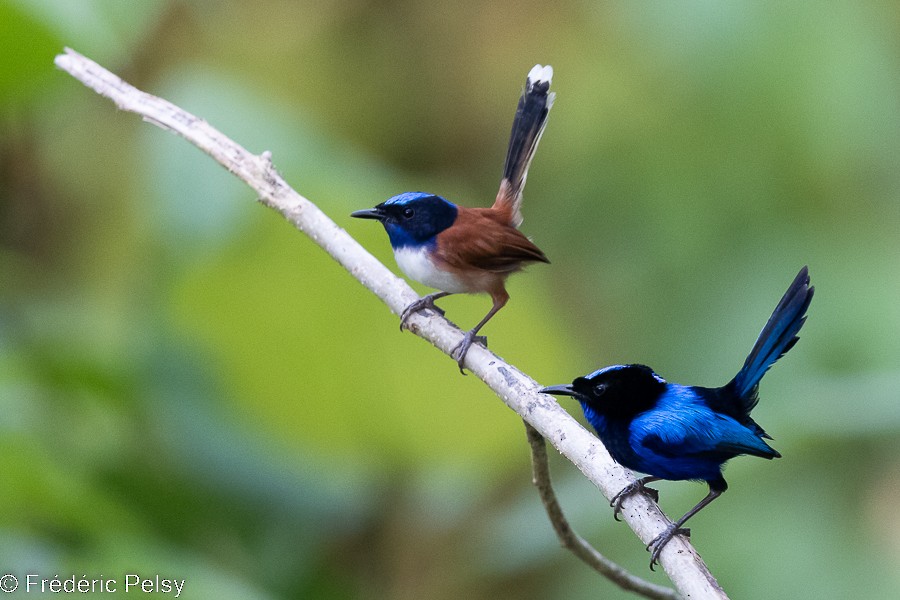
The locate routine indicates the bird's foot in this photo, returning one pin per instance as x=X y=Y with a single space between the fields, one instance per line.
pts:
x=664 y=538
x=632 y=488
x=425 y=302
x=459 y=351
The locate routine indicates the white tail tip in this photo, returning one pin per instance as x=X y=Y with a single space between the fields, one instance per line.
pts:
x=539 y=73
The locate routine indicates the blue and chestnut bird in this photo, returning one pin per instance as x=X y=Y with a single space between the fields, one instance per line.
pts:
x=676 y=432
x=470 y=250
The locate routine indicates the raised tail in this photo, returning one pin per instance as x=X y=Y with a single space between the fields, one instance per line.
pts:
x=776 y=338
x=531 y=118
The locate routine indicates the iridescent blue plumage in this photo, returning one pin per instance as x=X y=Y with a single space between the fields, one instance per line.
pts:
x=677 y=432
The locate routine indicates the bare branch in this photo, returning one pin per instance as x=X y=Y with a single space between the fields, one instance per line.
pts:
x=570 y=540
x=680 y=561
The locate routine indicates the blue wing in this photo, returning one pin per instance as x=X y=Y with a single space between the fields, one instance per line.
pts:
x=690 y=441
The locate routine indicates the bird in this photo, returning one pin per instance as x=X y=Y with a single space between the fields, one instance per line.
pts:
x=456 y=249
x=679 y=432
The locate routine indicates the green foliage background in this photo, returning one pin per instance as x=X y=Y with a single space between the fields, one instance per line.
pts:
x=189 y=387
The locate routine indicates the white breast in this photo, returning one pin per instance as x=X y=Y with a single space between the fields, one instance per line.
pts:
x=417 y=265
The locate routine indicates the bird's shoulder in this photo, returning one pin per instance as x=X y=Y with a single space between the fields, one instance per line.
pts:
x=490 y=218
x=679 y=416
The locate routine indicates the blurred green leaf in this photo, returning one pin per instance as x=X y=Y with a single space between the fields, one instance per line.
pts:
x=27 y=47
x=99 y=28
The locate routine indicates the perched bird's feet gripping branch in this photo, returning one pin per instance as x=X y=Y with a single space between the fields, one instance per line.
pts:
x=659 y=542
x=423 y=303
x=633 y=488
x=459 y=351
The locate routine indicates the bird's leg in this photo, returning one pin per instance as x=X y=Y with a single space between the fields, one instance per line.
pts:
x=715 y=490
x=633 y=488
x=458 y=353
x=423 y=302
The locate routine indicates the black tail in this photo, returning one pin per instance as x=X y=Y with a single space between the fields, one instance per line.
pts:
x=531 y=118
x=777 y=337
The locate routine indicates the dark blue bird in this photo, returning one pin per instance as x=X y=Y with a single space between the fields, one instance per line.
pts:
x=676 y=432
x=470 y=250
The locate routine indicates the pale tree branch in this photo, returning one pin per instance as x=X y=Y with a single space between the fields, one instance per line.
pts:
x=679 y=559
x=540 y=470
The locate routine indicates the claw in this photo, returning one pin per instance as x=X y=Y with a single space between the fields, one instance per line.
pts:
x=631 y=489
x=459 y=352
x=660 y=541
x=423 y=303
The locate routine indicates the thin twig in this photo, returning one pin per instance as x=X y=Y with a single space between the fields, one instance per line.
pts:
x=540 y=469
x=521 y=393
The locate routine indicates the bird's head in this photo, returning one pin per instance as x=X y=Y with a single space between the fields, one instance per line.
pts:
x=619 y=391
x=412 y=218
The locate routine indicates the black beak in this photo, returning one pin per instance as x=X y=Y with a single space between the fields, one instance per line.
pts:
x=560 y=390
x=369 y=213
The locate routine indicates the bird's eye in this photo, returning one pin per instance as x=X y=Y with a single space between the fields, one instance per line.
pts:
x=599 y=389
x=408 y=213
